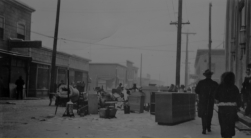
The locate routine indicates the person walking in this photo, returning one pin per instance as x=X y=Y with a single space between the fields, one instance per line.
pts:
x=246 y=92
x=228 y=100
x=19 y=83
x=205 y=90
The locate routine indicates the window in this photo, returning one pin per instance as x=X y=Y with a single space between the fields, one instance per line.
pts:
x=243 y=15
x=1 y=27
x=62 y=75
x=43 y=78
x=21 y=31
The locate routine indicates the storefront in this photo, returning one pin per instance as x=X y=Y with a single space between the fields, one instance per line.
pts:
x=39 y=79
x=12 y=66
x=41 y=69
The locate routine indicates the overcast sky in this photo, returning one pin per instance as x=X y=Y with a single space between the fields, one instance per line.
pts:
x=119 y=30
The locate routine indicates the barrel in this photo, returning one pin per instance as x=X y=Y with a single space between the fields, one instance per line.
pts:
x=126 y=109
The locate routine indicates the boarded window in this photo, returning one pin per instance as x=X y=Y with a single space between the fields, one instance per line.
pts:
x=20 y=31
x=62 y=75
x=43 y=78
x=243 y=16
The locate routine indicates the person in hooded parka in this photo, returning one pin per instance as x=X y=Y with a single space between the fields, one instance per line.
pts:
x=228 y=100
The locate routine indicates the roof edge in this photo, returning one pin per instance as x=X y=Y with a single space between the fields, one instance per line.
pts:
x=108 y=64
x=22 y=4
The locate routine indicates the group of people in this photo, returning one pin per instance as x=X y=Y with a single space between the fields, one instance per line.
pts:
x=227 y=97
x=180 y=89
x=119 y=94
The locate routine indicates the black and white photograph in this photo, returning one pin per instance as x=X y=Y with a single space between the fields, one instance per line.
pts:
x=125 y=68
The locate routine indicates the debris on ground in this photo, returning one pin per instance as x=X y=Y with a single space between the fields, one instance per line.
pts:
x=8 y=103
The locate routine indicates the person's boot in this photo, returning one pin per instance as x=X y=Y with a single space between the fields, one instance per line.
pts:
x=209 y=129
x=204 y=131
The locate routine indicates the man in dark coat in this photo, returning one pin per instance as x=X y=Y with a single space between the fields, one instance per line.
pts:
x=206 y=89
x=246 y=92
x=19 y=83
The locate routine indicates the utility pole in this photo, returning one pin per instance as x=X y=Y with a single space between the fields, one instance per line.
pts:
x=210 y=39
x=53 y=61
x=178 y=42
x=140 y=82
x=186 y=66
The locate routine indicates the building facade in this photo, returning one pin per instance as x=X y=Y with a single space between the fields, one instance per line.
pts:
x=21 y=57
x=237 y=38
x=40 y=70
x=108 y=75
x=217 y=63
x=132 y=73
x=15 y=23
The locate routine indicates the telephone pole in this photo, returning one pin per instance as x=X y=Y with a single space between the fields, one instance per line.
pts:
x=178 y=42
x=210 y=39
x=186 y=66
x=54 y=52
x=140 y=82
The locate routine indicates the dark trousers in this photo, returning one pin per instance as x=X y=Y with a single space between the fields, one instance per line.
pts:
x=19 y=93
x=206 y=120
x=227 y=118
x=248 y=108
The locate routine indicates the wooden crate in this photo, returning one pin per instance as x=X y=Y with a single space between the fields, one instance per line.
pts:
x=173 y=108
x=136 y=102
x=93 y=103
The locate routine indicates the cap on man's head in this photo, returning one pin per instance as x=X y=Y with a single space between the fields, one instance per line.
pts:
x=208 y=72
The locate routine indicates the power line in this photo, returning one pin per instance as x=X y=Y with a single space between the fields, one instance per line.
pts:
x=169 y=14
x=114 y=46
x=104 y=11
x=187 y=13
x=173 y=10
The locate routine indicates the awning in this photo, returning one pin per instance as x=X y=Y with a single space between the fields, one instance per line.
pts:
x=14 y=54
x=17 y=43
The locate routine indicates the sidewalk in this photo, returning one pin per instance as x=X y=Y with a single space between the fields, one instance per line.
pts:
x=35 y=119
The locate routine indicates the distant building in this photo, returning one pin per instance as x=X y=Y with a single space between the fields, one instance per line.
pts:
x=157 y=82
x=217 y=64
x=135 y=74
x=108 y=75
x=147 y=81
x=132 y=73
